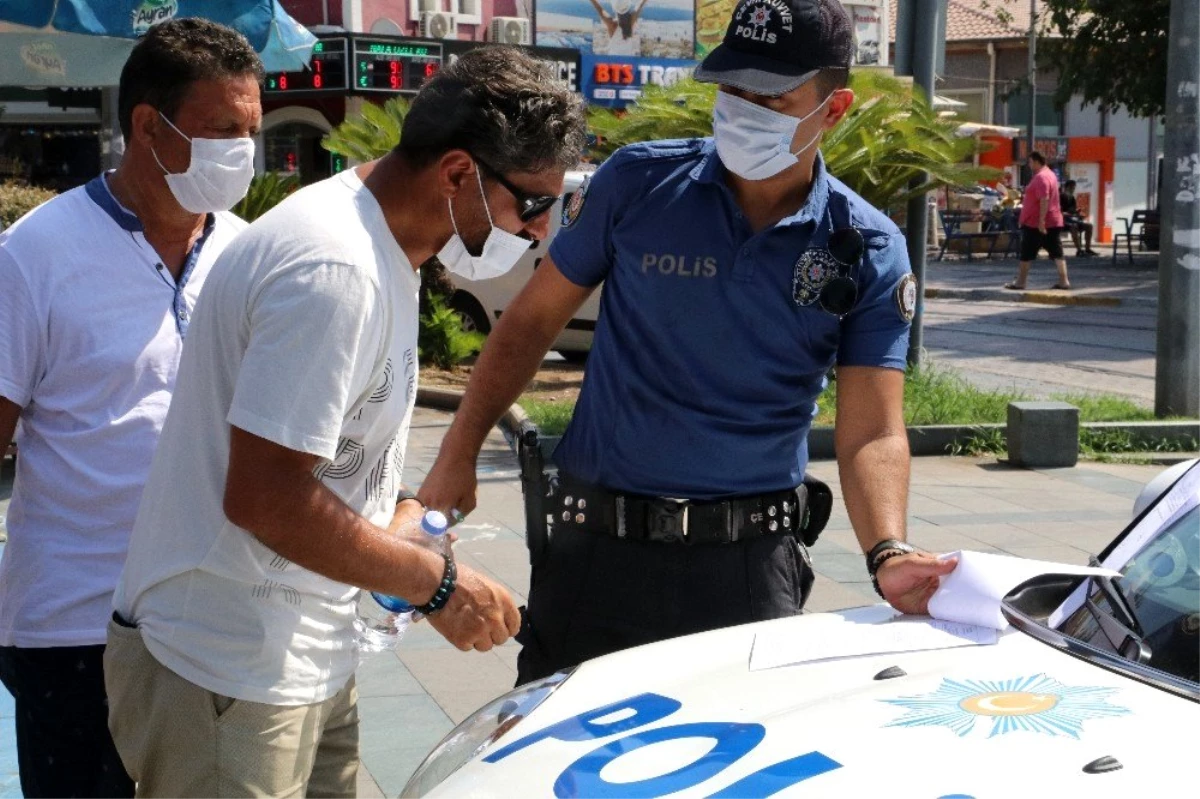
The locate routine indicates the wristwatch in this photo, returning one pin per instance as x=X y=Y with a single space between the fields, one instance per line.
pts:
x=884 y=550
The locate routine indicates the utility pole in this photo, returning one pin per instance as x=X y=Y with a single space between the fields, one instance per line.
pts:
x=920 y=21
x=1032 y=137
x=1177 y=373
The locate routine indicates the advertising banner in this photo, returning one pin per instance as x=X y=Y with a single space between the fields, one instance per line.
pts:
x=869 y=18
x=564 y=61
x=615 y=82
x=648 y=28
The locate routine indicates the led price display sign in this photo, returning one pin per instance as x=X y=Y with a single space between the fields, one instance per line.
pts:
x=390 y=65
x=326 y=72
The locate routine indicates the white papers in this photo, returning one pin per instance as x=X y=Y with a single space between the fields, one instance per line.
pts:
x=832 y=636
x=971 y=594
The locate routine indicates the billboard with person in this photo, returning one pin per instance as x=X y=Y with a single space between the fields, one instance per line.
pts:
x=631 y=28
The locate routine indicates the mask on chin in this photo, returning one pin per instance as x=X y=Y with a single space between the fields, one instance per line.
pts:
x=218 y=174
x=754 y=142
x=500 y=253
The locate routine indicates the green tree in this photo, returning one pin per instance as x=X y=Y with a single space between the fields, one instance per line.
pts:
x=1110 y=52
x=888 y=137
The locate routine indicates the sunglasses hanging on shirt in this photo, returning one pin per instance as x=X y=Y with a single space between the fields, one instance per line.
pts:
x=839 y=294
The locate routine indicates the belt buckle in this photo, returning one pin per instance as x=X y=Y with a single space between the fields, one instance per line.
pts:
x=669 y=520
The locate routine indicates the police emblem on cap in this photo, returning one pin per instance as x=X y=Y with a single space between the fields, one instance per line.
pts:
x=906 y=297
x=574 y=205
x=814 y=269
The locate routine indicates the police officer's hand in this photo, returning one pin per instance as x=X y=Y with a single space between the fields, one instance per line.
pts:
x=450 y=486
x=908 y=581
x=479 y=615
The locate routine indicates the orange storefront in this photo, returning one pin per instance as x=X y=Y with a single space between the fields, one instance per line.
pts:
x=1088 y=160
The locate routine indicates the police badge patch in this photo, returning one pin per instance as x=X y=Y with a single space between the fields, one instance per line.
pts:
x=906 y=297
x=574 y=204
x=814 y=269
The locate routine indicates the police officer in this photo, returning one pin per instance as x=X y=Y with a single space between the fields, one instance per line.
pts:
x=736 y=273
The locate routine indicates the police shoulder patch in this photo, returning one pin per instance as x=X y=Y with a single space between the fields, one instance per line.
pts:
x=815 y=268
x=574 y=205
x=906 y=297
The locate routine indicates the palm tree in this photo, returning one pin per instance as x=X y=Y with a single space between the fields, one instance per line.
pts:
x=371 y=135
x=889 y=136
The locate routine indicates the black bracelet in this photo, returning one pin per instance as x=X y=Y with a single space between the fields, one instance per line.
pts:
x=406 y=494
x=442 y=595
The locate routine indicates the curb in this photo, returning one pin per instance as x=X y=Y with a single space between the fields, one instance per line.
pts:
x=1049 y=297
x=923 y=440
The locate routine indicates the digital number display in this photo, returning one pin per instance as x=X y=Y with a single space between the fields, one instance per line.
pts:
x=326 y=72
x=381 y=65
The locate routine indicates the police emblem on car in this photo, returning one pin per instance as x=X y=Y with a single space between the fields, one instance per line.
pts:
x=574 y=205
x=815 y=268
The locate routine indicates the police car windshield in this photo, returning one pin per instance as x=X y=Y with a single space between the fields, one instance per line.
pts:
x=1161 y=582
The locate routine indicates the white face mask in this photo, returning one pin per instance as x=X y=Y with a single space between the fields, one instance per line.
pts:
x=217 y=176
x=755 y=142
x=501 y=250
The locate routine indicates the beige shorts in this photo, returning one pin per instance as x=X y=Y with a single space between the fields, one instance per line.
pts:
x=178 y=739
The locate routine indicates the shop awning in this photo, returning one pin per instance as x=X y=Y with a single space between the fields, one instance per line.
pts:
x=84 y=43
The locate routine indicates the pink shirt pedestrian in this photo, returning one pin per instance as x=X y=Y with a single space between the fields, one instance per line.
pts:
x=1043 y=184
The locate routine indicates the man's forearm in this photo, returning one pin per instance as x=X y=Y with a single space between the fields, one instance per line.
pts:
x=302 y=520
x=874 y=477
x=1043 y=209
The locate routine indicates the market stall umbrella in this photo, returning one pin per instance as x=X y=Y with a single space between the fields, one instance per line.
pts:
x=84 y=43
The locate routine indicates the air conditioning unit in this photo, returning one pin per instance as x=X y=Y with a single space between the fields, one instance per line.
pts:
x=511 y=30
x=438 y=25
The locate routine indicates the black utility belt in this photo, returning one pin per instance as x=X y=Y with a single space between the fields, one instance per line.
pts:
x=582 y=506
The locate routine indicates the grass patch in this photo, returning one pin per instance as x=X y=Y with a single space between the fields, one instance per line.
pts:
x=550 y=416
x=932 y=395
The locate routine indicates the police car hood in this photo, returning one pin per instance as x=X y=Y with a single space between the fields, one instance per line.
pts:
x=691 y=717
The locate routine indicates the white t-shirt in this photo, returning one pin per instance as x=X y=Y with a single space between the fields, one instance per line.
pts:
x=307 y=336
x=90 y=336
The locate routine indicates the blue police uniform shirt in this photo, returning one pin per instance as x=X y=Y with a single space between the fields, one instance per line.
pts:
x=710 y=348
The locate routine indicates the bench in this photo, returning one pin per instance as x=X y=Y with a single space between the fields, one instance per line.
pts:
x=1136 y=229
x=952 y=223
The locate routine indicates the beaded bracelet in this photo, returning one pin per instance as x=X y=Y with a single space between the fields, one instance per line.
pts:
x=442 y=595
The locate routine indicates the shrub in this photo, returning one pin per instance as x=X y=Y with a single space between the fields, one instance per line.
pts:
x=441 y=341
x=18 y=199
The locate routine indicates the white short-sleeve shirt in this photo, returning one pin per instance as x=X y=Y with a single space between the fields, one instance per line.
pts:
x=91 y=329
x=307 y=336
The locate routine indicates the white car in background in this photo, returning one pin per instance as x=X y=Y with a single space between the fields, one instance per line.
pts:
x=1092 y=691
x=481 y=302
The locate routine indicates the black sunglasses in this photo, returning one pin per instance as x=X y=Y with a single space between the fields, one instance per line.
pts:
x=839 y=295
x=531 y=205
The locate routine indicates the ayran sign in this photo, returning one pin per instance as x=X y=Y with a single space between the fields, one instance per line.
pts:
x=152 y=12
x=43 y=57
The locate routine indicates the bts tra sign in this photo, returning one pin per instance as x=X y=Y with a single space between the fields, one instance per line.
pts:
x=615 y=82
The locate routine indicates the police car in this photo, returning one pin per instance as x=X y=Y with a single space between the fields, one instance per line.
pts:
x=1092 y=690
x=480 y=303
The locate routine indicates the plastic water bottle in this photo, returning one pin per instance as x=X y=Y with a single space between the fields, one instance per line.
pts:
x=382 y=619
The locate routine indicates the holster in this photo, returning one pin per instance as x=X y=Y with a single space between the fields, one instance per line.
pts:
x=818 y=506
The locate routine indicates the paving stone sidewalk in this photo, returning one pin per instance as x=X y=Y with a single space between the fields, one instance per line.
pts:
x=1097 y=281
x=410 y=700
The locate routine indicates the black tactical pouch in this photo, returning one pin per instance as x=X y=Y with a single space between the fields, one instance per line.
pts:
x=817 y=507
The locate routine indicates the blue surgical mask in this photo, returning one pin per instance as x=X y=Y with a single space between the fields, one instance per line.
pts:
x=755 y=142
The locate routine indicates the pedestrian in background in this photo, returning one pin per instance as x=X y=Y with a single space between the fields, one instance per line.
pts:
x=97 y=288
x=277 y=485
x=737 y=272
x=1041 y=224
x=1074 y=222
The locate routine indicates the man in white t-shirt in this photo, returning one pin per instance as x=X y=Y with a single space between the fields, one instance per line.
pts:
x=97 y=287
x=277 y=484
